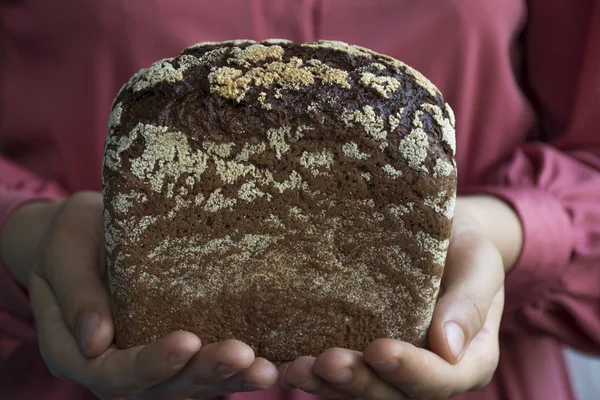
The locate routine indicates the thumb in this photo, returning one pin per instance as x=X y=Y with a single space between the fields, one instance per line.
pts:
x=72 y=265
x=473 y=276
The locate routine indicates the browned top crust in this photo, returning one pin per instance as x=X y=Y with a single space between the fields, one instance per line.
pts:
x=245 y=180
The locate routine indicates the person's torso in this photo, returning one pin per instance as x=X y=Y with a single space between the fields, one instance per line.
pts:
x=63 y=61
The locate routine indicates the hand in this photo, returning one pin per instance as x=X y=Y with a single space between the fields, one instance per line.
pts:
x=72 y=311
x=463 y=336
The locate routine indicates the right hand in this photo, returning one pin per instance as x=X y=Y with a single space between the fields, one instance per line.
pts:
x=72 y=310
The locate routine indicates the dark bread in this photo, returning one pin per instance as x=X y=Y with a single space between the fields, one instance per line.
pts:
x=294 y=197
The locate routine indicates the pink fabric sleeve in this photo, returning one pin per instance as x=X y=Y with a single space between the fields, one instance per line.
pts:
x=17 y=186
x=555 y=188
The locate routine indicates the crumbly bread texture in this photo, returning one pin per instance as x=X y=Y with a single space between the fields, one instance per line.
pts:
x=294 y=197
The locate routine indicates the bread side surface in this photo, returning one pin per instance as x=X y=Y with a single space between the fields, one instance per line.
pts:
x=294 y=197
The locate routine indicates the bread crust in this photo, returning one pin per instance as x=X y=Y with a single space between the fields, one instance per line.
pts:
x=294 y=197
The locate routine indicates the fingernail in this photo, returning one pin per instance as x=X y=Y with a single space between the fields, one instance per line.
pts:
x=88 y=326
x=456 y=339
x=344 y=376
x=225 y=369
x=387 y=366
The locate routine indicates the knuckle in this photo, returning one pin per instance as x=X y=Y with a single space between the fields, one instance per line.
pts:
x=477 y=311
x=365 y=386
x=51 y=247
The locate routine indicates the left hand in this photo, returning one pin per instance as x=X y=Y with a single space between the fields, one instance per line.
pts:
x=463 y=336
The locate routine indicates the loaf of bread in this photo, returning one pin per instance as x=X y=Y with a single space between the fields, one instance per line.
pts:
x=294 y=197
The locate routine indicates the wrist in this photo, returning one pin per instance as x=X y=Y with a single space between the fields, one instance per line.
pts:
x=21 y=236
x=499 y=223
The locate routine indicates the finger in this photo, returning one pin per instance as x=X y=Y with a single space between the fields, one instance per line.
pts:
x=300 y=374
x=485 y=347
x=57 y=346
x=261 y=375
x=125 y=373
x=214 y=363
x=346 y=371
x=119 y=373
x=472 y=277
x=282 y=378
x=492 y=324
x=72 y=266
x=420 y=373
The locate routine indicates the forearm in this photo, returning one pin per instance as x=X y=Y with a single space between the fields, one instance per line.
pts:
x=500 y=224
x=21 y=236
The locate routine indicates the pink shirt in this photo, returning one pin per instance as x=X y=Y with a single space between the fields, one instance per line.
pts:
x=522 y=76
